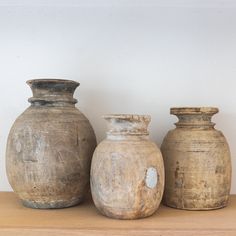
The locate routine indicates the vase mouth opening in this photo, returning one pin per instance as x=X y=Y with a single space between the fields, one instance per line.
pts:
x=194 y=110
x=51 y=81
x=128 y=117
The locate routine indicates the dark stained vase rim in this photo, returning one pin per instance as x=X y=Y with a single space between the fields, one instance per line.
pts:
x=46 y=91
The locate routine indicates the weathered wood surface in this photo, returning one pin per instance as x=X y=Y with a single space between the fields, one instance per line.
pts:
x=85 y=220
x=50 y=147
x=127 y=173
x=197 y=162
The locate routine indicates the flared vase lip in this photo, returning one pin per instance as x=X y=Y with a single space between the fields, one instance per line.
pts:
x=193 y=110
x=50 y=90
x=51 y=80
x=128 y=117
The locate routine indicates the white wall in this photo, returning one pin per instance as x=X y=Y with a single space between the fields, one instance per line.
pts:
x=129 y=56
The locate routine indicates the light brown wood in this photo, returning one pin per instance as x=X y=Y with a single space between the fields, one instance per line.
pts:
x=85 y=220
x=127 y=170
x=49 y=147
x=197 y=161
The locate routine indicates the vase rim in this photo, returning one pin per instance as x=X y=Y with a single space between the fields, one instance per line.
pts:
x=130 y=117
x=52 y=91
x=193 y=110
x=51 y=80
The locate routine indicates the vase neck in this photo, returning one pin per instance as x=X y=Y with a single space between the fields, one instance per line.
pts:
x=127 y=126
x=52 y=92
x=194 y=117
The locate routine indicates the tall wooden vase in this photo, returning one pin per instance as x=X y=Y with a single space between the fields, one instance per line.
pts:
x=50 y=147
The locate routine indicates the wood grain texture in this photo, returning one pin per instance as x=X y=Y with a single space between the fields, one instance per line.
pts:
x=197 y=162
x=50 y=147
x=127 y=171
x=85 y=220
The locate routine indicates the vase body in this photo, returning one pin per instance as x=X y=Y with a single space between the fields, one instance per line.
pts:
x=127 y=173
x=197 y=162
x=50 y=147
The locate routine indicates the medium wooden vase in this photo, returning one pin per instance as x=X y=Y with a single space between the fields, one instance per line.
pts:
x=197 y=162
x=50 y=147
x=127 y=173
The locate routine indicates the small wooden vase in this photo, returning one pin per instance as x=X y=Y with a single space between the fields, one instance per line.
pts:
x=127 y=173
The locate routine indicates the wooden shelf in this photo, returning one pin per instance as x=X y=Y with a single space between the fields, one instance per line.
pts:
x=85 y=220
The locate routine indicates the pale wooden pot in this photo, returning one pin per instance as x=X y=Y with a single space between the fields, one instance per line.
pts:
x=50 y=147
x=127 y=173
x=197 y=162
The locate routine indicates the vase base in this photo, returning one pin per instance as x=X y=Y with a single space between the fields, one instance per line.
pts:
x=52 y=204
x=196 y=208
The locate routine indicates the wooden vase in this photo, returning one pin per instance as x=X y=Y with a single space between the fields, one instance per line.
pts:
x=197 y=162
x=127 y=174
x=50 y=147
